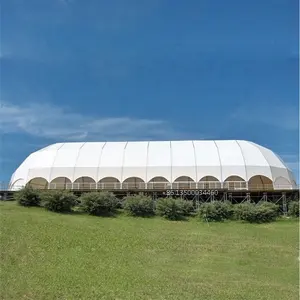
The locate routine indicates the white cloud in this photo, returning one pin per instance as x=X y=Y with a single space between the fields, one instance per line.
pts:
x=50 y=121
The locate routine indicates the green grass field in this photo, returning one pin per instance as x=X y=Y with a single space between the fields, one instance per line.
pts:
x=46 y=255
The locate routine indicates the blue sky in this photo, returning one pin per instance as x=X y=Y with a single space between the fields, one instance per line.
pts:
x=132 y=70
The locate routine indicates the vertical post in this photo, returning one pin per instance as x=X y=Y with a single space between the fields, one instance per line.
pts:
x=230 y=197
x=248 y=197
x=225 y=196
x=265 y=197
x=197 y=201
x=284 y=204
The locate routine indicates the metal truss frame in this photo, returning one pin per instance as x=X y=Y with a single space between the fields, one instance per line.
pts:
x=281 y=198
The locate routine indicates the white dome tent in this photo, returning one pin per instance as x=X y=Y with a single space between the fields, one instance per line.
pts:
x=223 y=164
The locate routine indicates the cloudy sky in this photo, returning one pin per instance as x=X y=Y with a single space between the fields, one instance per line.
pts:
x=74 y=70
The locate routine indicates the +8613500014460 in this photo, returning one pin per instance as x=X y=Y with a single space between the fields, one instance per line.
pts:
x=190 y=192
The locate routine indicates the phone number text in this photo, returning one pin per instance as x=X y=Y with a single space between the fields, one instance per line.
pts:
x=190 y=192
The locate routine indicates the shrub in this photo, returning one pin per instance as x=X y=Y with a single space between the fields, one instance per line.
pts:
x=242 y=211
x=169 y=208
x=58 y=201
x=188 y=207
x=139 y=206
x=28 y=197
x=216 y=211
x=256 y=213
x=293 y=209
x=99 y=203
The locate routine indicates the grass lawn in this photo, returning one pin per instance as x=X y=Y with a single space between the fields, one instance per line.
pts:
x=46 y=255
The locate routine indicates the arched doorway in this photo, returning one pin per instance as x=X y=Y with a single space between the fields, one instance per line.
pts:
x=260 y=182
x=158 y=183
x=209 y=182
x=282 y=183
x=84 y=183
x=184 y=182
x=38 y=183
x=235 y=182
x=60 y=183
x=108 y=183
x=133 y=183
x=17 y=185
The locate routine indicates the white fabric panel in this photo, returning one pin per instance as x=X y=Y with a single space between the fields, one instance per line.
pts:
x=279 y=172
x=66 y=156
x=41 y=165
x=183 y=154
x=207 y=159
x=183 y=160
x=43 y=159
x=159 y=160
x=88 y=160
x=271 y=157
x=252 y=155
x=206 y=154
x=55 y=172
x=209 y=171
x=39 y=172
x=228 y=171
x=292 y=178
x=70 y=146
x=54 y=147
x=256 y=163
x=232 y=160
x=65 y=161
x=135 y=160
x=137 y=172
x=111 y=161
x=282 y=183
x=17 y=185
x=22 y=171
x=256 y=170
x=230 y=153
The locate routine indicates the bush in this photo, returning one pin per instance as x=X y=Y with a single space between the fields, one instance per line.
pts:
x=58 y=201
x=293 y=209
x=99 y=203
x=169 y=208
x=256 y=213
x=28 y=197
x=139 y=206
x=216 y=211
x=242 y=211
x=188 y=207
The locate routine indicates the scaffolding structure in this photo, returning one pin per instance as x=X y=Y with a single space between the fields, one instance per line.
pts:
x=198 y=194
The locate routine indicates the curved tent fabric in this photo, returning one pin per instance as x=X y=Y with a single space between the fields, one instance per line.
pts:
x=146 y=160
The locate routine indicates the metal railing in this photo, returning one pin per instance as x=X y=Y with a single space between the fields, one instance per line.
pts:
x=209 y=185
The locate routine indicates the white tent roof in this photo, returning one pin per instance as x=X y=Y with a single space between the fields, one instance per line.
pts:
x=170 y=159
